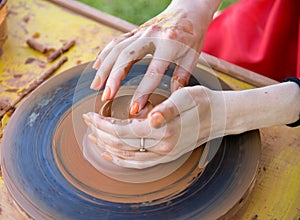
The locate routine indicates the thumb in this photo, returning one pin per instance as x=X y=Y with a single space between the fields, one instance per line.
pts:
x=179 y=102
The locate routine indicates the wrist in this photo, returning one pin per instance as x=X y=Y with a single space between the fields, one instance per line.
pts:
x=201 y=10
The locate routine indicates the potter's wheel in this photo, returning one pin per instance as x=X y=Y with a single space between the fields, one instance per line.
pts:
x=40 y=171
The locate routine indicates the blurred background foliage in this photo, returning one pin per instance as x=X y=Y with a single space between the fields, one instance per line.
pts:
x=136 y=11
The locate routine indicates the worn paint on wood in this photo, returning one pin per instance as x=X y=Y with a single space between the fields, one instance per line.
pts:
x=20 y=65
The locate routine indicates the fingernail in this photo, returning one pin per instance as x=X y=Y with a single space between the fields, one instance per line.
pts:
x=97 y=64
x=134 y=108
x=90 y=125
x=106 y=156
x=106 y=94
x=177 y=83
x=175 y=86
x=96 y=83
x=87 y=118
x=93 y=139
x=157 y=120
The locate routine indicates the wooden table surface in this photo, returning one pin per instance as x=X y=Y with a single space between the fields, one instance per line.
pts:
x=276 y=193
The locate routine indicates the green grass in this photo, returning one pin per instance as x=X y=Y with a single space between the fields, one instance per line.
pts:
x=226 y=3
x=136 y=11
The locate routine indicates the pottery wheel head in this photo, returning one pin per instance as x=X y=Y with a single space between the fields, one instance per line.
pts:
x=45 y=171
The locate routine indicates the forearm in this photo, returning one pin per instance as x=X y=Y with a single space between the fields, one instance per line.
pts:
x=264 y=107
x=201 y=10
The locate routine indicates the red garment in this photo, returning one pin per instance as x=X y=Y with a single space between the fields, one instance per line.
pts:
x=259 y=35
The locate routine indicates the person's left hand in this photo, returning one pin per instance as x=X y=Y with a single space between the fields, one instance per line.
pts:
x=174 y=36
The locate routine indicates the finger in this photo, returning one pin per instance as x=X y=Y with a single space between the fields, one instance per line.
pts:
x=107 y=63
x=160 y=146
x=104 y=141
x=180 y=101
x=152 y=78
x=128 y=136
x=131 y=128
x=180 y=78
x=119 y=146
x=101 y=56
x=101 y=138
x=94 y=140
x=183 y=70
x=166 y=52
x=132 y=155
x=116 y=127
x=127 y=57
x=136 y=164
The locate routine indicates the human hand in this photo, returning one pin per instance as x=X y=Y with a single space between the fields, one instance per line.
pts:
x=188 y=118
x=174 y=36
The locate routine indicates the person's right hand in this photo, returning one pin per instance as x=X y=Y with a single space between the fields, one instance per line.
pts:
x=188 y=118
x=174 y=36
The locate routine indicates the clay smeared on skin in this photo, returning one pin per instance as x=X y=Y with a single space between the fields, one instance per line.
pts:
x=178 y=82
x=175 y=22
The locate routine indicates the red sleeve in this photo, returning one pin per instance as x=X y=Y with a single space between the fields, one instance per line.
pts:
x=259 y=35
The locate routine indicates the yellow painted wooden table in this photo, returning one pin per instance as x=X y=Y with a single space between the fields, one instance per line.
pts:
x=276 y=193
